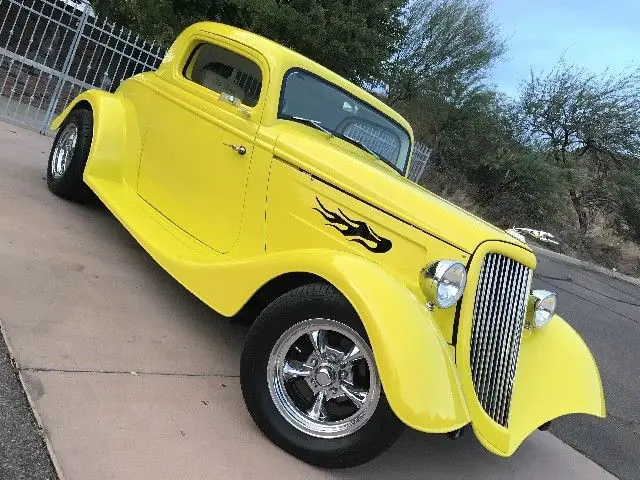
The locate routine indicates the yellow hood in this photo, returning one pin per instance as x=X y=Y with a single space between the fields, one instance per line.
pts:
x=358 y=174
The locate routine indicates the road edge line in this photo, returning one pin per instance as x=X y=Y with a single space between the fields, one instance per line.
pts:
x=586 y=265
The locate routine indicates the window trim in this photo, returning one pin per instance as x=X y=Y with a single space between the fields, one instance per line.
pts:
x=280 y=116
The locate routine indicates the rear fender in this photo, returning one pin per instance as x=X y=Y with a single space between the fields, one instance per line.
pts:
x=117 y=141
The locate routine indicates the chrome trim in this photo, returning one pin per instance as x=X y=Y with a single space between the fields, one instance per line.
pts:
x=63 y=150
x=496 y=332
x=432 y=276
x=329 y=374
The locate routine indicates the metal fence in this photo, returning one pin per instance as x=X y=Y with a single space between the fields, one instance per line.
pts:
x=421 y=155
x=51 y=50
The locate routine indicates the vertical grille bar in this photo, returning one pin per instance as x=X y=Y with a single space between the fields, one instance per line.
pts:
x=512 y=325
x=496 y=331
x=501 y=330
x=482 y=343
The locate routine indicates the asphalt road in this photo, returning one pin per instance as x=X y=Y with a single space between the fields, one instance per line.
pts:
x=23 y=455
x=606 y=312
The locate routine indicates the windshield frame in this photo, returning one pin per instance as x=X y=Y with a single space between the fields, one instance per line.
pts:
x=281 y=116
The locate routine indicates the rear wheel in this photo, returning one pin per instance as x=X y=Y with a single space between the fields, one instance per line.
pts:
x=68 y=157
x=310 y=381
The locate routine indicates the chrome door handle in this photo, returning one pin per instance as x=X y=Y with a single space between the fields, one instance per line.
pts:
x=241 y=149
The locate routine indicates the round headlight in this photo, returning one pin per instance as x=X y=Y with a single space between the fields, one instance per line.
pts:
x=443 y=282
x=544 y=307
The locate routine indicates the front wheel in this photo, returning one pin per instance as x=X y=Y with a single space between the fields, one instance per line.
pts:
x=310 y=381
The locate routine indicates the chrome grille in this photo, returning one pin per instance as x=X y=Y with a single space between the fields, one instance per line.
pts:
x=498 y=319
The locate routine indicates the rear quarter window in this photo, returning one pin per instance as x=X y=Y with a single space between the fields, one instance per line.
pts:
x=223 y=71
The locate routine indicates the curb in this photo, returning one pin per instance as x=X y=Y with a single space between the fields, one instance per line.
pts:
x=43 y=432
x=47 y=441
x=586 y=265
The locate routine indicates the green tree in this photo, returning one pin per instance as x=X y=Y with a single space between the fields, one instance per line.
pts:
x=590 y=125
x=479 y=151
x=446 y=50
x=435 y=78
x=349 y=37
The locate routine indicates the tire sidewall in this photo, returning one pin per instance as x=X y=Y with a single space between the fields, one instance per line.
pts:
x=70 y=184
x=367 y=442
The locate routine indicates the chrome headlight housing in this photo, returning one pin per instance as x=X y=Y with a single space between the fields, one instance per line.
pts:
x=443 y=282
x=543 y=307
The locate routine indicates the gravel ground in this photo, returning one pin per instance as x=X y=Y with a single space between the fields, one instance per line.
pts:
x=23 y=455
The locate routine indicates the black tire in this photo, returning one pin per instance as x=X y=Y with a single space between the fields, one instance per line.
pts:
x=307 y=302
x=70 y=185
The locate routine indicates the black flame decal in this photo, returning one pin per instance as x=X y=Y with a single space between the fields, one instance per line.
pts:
x=363 y=233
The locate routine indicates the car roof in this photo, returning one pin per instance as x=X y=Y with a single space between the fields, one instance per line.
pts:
x=280 y=56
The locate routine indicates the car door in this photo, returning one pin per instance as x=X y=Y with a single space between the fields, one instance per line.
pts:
x=197 y=154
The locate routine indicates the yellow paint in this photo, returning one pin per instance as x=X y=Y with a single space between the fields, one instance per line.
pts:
x=224 y=225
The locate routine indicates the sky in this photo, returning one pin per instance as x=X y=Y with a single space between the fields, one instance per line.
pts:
x=594 y=34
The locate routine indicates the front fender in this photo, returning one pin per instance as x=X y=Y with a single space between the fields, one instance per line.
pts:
x=415 y=364
x=556 y=375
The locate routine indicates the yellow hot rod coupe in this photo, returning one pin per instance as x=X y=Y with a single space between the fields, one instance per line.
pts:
x=266 y=183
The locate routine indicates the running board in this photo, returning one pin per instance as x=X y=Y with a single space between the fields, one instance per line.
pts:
x=148 y=226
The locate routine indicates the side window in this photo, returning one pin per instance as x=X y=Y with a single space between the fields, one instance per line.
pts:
x=224 y=71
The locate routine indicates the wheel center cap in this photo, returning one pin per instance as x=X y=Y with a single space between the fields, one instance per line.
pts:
x=324 y=376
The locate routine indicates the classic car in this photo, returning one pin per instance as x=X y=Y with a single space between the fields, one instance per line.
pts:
x=273 y=188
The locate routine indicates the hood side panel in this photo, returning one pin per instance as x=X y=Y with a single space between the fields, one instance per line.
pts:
x=401 y=198
x=303 y=212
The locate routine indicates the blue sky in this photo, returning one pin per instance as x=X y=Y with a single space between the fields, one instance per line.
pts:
x=595 y=34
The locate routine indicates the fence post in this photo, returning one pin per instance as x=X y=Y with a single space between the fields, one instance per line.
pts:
x=55 y=99
x=426 y=155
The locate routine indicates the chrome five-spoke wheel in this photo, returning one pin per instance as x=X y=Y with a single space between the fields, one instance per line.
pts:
x=63 y=150
x=322 y=378
x=310 y=381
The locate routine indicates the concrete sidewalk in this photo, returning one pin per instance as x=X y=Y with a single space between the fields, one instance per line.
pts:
x=133 y=378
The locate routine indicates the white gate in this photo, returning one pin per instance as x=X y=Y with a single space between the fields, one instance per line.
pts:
x=421 y=155
x=52 y=50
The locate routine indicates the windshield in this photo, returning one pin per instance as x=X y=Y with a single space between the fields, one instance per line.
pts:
x=308 y=99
